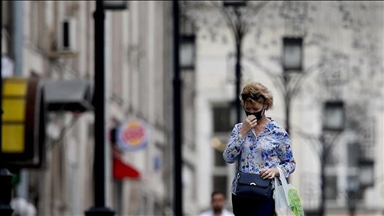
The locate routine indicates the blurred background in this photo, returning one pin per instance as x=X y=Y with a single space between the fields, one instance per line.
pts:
x=173 y=71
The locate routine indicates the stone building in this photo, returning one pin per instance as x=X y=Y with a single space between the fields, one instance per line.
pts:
x=342 y=63
x=138 y=67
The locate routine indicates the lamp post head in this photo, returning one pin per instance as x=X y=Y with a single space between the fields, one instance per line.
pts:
x=334 y=116
x=366 y=172
x=292 y=58
x=235 y=3
x=187 y=52
x=115 y=5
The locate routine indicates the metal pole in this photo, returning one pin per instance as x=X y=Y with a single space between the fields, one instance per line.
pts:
x=322 y=175
x=177 y=117
x=99 y=207
x=352 y=202
x=5 y=175
x=17 y=35
x=238 y=80
x=287 y=104
x=239 y=39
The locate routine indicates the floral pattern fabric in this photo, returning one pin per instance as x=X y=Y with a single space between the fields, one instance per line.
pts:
x=271 y=148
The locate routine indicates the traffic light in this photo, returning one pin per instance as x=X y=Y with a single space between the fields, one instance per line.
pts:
x=23 y=125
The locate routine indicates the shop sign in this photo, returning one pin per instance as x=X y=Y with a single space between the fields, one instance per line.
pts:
x=132 y=135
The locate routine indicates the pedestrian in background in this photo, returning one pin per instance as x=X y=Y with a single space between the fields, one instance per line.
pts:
x=218 y=202
x=259 y=145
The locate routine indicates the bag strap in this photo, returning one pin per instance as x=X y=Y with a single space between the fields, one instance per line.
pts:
x=238 y=162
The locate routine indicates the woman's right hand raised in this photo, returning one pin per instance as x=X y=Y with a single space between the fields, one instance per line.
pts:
x=249 y=123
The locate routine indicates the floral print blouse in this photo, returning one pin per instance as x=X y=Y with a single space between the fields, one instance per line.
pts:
x=271 y=148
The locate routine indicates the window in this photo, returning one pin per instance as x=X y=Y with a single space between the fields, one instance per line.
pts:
x=116 y=57
x=222 y=126
x=368 y=139
x=37 y=24
x=144 y=204
x=353 y=155
x=222 y=118
x=5 y=30
x=5 y=12
x=331 y=187
x=331 y=160
x=220 y=183
x=158 y=208
x=219 y=161
x=118 y=196
x=353 y=188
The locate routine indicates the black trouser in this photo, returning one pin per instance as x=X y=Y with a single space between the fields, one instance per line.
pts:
x=243 y=206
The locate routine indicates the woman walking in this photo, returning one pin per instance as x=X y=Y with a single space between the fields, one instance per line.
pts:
x=259 y=145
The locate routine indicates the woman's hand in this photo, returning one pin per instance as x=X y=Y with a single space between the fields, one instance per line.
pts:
x=249 y=123
x=270 y=173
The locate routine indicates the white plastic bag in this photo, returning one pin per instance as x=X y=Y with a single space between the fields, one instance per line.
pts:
x=287 y=201
x=281 y=200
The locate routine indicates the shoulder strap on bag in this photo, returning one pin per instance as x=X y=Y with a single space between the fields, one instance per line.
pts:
x=238 y=162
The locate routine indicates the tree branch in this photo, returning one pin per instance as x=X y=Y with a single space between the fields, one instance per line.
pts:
x=309 y=71
x=230 y=23
x=275 y=77
x=253 y=11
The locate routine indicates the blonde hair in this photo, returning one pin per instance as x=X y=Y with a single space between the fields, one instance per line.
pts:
x=258 y=88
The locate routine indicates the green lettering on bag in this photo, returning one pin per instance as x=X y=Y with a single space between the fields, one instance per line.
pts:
x=295 y=202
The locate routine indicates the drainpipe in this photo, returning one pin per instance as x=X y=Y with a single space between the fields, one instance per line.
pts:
x=17 y=26
x=107 y=77
x=17 y=8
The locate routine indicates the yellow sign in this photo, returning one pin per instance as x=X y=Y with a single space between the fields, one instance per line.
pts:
x=14 y=114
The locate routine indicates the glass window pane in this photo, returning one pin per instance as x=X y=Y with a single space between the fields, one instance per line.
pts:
x=157 y=208
x=144 y=206
x=331 y=187
x=353 y=154
x=353 y=188
x=220 y=183
x=331 y=159
x=219 y=161
x=221 y=119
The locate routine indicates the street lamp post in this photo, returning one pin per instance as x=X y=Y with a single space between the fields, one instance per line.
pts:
x=292 y=61
x=5 y=175
x=99 y=208
x=177 y=116
x=333 y=121
x=353 y=190
x=239 y=35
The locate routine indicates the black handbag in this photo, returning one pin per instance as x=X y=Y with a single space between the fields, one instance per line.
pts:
x=253 y=186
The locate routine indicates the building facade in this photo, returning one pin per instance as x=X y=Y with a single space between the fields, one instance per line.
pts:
x=138 y=67
x=342 y=62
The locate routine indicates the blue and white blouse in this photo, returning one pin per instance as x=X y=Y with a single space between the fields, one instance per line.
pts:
x=271 y=148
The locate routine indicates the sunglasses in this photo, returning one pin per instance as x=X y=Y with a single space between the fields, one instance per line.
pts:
x=255 y=97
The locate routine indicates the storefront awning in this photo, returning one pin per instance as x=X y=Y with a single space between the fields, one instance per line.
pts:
x=122 y=170
x=68 y=95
